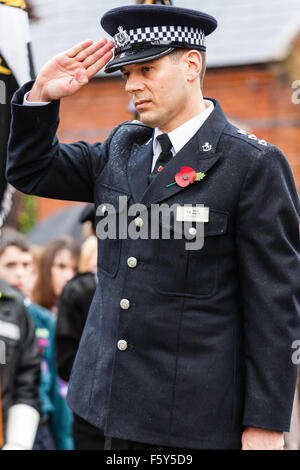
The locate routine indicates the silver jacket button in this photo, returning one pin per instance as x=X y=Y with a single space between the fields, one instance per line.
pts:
x=138 y=222
x=132 y=262
x=125 y=304
x=122 y=345
x=192 y=231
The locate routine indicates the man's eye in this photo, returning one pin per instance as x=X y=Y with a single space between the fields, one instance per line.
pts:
x=125 y=76
x=146 y=69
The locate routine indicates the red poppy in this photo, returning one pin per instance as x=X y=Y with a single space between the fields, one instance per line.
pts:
x=186 y=176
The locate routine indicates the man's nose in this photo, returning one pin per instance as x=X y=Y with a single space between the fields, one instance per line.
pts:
x=134 y=84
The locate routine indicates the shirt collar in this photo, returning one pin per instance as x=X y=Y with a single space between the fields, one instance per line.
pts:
x=182 y=134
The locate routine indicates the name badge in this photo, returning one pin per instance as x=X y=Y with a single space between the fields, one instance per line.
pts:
x=192 y=214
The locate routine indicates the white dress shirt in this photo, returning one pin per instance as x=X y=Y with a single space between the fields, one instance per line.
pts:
x=182 y=134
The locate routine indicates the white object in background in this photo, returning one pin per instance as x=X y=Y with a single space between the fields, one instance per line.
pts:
x=22 y=424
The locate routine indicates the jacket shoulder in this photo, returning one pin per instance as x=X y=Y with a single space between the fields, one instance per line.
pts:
x=131 y=132
x=244 y=139
x=81 y=284
x=8 y=292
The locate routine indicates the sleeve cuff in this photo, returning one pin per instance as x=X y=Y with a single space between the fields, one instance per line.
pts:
x=33 y=103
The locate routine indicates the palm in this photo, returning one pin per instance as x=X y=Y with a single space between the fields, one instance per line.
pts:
x=61 y=77
x=70 y=70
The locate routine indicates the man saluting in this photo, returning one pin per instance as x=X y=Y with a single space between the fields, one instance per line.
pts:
x=182 y=348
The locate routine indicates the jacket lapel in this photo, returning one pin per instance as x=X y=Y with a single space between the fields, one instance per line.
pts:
x=138 y=168
x=200 y=153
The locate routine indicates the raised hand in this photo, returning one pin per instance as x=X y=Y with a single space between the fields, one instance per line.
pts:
x=67 y=72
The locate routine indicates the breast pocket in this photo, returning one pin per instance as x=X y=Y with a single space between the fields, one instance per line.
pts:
x=108 y=217
x=191 y=273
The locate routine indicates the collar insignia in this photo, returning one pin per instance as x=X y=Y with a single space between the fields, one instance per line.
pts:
x=206 y=147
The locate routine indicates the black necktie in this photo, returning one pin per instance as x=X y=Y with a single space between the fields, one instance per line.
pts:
x=164 y=156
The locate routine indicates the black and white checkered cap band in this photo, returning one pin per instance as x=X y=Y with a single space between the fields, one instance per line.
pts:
x=164 y=34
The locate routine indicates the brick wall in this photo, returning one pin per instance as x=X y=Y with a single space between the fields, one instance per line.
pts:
x=256 y=98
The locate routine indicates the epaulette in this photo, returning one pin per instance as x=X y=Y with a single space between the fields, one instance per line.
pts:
x=251 y=139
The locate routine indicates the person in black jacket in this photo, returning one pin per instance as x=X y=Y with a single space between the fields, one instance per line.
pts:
x=20 y=373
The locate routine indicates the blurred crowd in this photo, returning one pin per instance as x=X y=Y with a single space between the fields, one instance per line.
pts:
x=45 y=294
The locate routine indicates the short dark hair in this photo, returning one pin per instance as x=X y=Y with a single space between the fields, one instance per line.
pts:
x=11 y=237
x=175 y=55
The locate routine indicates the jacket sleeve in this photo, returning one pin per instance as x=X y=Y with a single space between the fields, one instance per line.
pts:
x=269 y=267
x=26 y=386
x=37 y=163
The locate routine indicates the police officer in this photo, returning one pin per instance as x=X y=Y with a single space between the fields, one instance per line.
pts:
x=182 y=348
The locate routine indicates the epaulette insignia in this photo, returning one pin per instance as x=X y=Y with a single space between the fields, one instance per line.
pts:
x=252 y=137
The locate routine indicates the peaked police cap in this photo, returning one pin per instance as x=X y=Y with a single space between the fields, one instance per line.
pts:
x=146 y=32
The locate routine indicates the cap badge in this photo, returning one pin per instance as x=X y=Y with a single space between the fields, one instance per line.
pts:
x=121 y=38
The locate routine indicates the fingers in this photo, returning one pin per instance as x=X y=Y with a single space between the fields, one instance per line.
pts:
x=99 y=64
x=78 y=48
x=83 y=54
x=94 y=57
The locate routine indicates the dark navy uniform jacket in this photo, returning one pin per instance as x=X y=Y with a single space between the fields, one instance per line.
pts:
x=210 y=332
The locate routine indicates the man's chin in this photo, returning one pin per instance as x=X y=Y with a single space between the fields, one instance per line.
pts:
x=148 y=120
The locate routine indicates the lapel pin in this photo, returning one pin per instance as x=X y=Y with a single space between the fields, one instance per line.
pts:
x=206 y=147
x=186 y=176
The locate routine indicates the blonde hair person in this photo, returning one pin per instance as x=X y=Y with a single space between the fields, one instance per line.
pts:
x=88 y=257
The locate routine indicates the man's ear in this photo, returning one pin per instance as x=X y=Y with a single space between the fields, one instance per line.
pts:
x=193 y=62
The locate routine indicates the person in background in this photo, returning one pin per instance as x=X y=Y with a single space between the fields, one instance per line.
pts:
x=20 y=366
x=73 y=307
x=88 y=257
x=17 y=268
x=36 y=252
x=58 y=264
